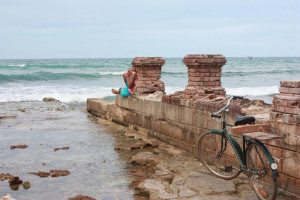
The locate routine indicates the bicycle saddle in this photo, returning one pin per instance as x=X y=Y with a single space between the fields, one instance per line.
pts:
x=242 y=120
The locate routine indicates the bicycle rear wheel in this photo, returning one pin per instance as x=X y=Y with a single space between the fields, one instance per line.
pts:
x=224 y=165
x=261 y=179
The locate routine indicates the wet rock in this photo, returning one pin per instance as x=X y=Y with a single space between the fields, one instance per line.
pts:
x=80 y=197
x=40 y=174
x=7 y=197
x=4 y=177
x=62 y=148
x=15 y=181
x=136 y=145
x=56 y=173
x=7 y=116
x=19 y=146
x=50 y=99
x=26 y=185
x=144 y=159
x=22 y=109
x=122 y=148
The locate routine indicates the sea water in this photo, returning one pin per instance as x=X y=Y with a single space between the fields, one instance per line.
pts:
x=75 y=80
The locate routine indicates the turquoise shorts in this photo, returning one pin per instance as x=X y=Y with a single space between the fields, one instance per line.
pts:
x=124 y=92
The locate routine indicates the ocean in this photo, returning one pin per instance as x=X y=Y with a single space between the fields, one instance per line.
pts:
x=75 y=80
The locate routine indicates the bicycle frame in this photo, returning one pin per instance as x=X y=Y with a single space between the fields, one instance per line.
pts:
x=239 y=152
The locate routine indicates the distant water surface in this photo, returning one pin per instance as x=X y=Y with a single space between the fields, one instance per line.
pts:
x=74 y=80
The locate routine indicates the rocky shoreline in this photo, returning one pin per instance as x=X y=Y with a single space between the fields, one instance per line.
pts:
x=161 y=171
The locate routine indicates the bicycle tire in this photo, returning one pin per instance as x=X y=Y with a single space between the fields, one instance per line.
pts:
x=261 y=179
x=226 y=166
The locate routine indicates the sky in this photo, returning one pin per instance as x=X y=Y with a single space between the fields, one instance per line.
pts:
x=169 y=28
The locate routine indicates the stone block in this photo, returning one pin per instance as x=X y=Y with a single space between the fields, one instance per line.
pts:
x=156 y=125
x=288 y=183
x=290 y=163
x=170 y=111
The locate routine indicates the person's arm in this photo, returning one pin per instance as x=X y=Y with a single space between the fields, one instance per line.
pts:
x=125 y=77
x=131 y=82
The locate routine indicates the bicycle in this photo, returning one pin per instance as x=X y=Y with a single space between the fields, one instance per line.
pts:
x=228 y=161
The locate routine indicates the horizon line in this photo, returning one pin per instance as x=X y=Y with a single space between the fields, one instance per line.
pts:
x=70 y=58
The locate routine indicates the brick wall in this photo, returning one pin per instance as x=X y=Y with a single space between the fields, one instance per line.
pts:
x=285 y=121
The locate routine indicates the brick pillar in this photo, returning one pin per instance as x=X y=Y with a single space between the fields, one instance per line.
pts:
x=148 y=73
x=204 y=73
x=287 y=102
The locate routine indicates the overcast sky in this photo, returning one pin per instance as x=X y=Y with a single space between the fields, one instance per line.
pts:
x=168 y=28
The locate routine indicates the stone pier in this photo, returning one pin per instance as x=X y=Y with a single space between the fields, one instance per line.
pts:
x=148 y=74
x=181 y=118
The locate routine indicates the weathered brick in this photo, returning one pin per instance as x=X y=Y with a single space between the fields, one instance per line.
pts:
x=290 y=83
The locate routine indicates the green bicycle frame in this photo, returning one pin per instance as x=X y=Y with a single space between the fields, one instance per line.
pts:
x=241 y=154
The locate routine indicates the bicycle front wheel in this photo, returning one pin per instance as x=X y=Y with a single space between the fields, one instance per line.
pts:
x=218 y=156
x=261 y=179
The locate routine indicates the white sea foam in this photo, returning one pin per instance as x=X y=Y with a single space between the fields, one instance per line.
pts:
x=18 y=65
x=252 y=91
x=110 y=73
x=64 y=94
x=71 y=93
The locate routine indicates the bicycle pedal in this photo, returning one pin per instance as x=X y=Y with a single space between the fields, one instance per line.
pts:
x=228 y=168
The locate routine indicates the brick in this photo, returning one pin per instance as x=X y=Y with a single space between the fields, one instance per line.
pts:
x=216 y=70
x=290 y=83
x=296 y=111
x=294 y=91
x=284 y=90
x=289 y=98
x=198 y=79
x=250 y=128
x=288 y=110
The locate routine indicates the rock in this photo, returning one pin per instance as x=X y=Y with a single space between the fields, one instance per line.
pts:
x=62 y=148
x=58 y=109
x=22 y=109
x=144 y=159
x=15 y=181
x=20 y=146
x=136 y=145
x=7 y=197
x=50 y=99
x=26 y=185
x=4 y=177
x=7 y=116
x=80 y=197
x=198 y=180
x=40 y=174
x=56 y=173
x=159 y=187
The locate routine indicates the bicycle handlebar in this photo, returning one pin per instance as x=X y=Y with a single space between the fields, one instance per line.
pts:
x=228 y=102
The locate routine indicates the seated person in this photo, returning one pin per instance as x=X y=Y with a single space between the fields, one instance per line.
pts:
x=129 y=79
